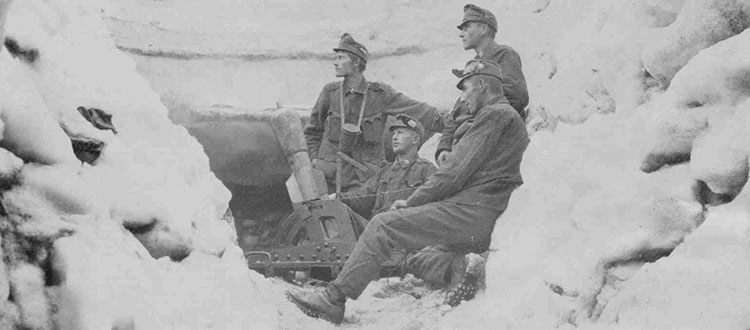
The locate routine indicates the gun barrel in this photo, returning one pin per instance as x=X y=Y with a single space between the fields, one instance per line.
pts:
x=287 y=125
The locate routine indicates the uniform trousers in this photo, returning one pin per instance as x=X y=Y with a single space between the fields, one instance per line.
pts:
x=459 y=226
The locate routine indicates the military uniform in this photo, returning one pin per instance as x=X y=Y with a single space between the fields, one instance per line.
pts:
x=397 y=180
x=514 y=82
x=457 y=206
x=367 y=107
x=323 y=130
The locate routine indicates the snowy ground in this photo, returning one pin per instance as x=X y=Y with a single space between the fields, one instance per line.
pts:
x=634 y=214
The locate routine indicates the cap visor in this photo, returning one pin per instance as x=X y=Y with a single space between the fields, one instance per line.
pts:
x=350 y=52
x=466 y=21
x=460 y=83
x=395 y=126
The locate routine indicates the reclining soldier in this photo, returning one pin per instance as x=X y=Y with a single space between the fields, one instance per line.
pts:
x=456 y=207
x=350 y=117
x=396 y=180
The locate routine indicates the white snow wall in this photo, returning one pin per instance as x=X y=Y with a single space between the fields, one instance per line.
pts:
x=137 y=239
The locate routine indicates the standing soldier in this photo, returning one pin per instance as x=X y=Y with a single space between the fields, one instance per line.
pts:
x=478 y=29
x=457 y=206
x=349 y=117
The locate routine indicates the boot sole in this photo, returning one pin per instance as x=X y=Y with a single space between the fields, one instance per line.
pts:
x=310 y=312
x=465 y=291
x=469 y=286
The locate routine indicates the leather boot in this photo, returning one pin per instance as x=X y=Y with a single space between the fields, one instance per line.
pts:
x=324 y=303
x=466 y=283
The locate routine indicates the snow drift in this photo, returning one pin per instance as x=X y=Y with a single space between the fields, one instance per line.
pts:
x=137 y=226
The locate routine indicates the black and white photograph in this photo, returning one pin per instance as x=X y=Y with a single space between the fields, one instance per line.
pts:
x=374 y=164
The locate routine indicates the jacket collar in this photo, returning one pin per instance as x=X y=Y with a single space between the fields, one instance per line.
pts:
x=360 y=89
x=497 y=99
x=490 y=52
x=405 y=161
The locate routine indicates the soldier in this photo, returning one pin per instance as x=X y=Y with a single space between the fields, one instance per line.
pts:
x=456 y=207
x=478 y=29
x=350 y=116
x=397 y=180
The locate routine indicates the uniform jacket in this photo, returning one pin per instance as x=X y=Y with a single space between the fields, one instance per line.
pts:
x=323 y=129
x=485 y=161
x=397 y=180
x=514 y=88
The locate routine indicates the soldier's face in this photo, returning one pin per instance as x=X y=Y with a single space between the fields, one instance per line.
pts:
x=471 y=33
x=471 y=91
x=343 y=65
x=404 y=139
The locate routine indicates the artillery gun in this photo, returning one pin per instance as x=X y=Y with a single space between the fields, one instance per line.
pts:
x=312 y=236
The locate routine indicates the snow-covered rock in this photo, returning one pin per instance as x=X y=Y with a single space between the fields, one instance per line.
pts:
x=701 y=115
x=700 y=24
x=702 y=283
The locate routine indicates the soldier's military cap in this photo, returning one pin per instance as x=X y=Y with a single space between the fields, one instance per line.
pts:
x=474 y=13
x=479 y=67
x=349 y=45
x=408 y=122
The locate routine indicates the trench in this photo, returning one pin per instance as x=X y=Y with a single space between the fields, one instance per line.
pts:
x=247 y=158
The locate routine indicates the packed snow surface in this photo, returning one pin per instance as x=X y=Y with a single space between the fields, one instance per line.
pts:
x=634 y=213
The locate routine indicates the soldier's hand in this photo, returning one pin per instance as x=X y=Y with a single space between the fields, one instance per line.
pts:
x=442 y=157
x=399 y=204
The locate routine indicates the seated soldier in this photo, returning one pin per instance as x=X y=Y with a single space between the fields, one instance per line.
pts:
x=396 y=180
x=456 y=207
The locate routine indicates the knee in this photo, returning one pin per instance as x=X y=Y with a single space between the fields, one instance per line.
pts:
x=375 y=224
x=377 y=229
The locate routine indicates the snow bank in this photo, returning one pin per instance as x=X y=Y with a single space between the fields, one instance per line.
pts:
x=270 y=29
x=84 y=237
x=704 y=108
x=700 y=24
x=702 y=283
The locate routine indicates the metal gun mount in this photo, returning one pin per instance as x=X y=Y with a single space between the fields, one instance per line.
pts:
x=317 y=238
x=318 y=235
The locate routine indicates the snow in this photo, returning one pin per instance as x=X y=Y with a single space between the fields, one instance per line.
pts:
x=151 y=177
x=700 y=285
x=608 y=231
x=699 y=25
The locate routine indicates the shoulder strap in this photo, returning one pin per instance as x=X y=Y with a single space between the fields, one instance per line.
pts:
x=361 y=109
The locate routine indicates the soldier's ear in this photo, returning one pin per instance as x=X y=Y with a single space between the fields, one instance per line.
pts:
x=485 y=29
